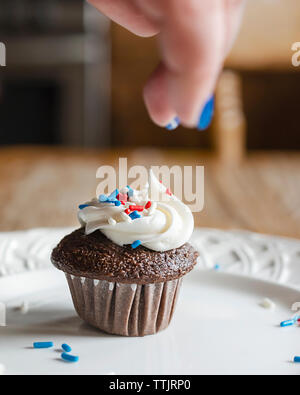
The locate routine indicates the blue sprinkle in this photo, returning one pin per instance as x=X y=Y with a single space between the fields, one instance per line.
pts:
x=297 y=359
x=117 y=203
x=217 y=267
x=136 y=243
x=130 y=191
x=82 y=206
x=43 y=344
x=69 y=358
x=113 y=195
x=103 y=198
x=287 y=323
x=66 y=347
x=134 y=215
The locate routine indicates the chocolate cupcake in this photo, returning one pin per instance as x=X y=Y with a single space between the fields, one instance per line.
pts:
x=125 y=265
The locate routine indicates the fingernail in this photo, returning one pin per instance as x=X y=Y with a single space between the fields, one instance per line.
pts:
x=207 y=114
x=173 y=124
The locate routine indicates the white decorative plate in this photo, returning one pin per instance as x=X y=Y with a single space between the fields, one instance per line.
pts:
x=219 y=326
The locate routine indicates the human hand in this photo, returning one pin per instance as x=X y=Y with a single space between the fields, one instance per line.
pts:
x=194 y=37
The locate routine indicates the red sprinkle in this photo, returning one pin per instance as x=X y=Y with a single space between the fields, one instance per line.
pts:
x=127 y=211
x=122 y=201
x=148 y=205
x=168 y=192
x=122 y=197
x=136 y=208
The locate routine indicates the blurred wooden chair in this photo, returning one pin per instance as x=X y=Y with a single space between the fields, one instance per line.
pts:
x=269 y=29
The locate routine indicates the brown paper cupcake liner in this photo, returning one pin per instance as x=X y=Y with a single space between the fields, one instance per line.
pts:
x=124 y=309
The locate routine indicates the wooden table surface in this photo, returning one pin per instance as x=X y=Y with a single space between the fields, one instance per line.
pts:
x=42 y=187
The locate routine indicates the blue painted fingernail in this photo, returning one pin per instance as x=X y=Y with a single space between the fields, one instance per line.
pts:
x=173 y=124
x=207 y=114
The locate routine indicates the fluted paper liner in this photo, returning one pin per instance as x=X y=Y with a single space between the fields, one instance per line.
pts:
x=124 y=309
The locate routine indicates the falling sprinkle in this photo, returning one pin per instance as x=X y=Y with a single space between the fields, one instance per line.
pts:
x=168 y=192
x=217 y=267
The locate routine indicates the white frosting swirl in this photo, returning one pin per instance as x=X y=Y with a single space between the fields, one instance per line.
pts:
x=166 y=225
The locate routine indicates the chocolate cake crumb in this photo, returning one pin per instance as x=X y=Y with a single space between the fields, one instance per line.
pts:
x=95 y=256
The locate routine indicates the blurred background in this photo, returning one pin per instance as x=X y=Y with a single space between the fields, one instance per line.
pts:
x=73 y=82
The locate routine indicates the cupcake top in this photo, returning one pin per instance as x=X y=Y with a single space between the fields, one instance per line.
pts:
x=152 y=217
x=130 y=237
x=95 y=256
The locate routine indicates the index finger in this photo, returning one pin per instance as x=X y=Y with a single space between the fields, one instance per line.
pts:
x=191 y=43
x=127 y=14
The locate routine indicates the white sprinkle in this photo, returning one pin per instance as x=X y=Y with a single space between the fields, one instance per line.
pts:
x=112 y=222
x=133 y=287
x=2 y=369
x=124 y=190
x=24 y=307
x=111 y=286
x=136 y=197
x=96 y=282
x=152 y=208
x=82 y=279
x=267 y=304
x=126 y=217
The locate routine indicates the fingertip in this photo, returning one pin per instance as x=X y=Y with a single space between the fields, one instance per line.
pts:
x=145 y=29
x=127 y=14
x=156 y=98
